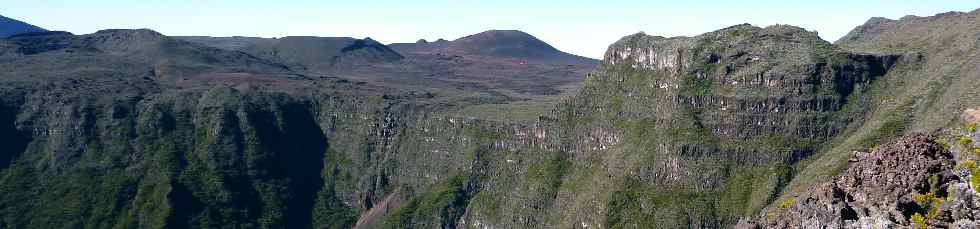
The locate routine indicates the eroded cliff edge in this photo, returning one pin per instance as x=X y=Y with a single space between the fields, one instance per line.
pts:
x=667 y=132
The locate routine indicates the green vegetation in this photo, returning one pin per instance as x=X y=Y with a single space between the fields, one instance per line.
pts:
x=638 y=206
x=481 y=133
x=975 y=179
x=329 y=211
x=966 y=142
x=111 y=151
x=736 y=33
x=699 y=86
x=974 y=172
x=549 y=172
x=646 y=205
x=521 y=107
x=943 y=144
x=440 y=207
x=892 y=125
x=752 y=189
x=919 y=221
x=787 y=203
x=930 y=203
x=928 y=200
x=968 y=164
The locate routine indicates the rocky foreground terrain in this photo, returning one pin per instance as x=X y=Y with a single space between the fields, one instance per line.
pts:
x=740 y=127
x=916 y=181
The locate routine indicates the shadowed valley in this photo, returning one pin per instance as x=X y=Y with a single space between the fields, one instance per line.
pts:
x=745 y=126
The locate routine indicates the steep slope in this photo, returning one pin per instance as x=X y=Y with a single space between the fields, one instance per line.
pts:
x=130 y=128
x=696 y=131
x=98 y=135
x=913 y=182
x=98 y=139
x=672 y=132
x=699 y=131
x=10 y=27
x=948 y=47
x=937 y=78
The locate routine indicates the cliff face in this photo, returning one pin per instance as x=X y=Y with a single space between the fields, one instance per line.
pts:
x=696 y=131
x=99 y=134
x=943 y=48
x=220 y=157
x=709 y=125
x=934 y=81
x=130 y=128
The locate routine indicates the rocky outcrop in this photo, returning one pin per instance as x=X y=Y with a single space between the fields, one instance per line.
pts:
x=130 y=128
x=141 y=146
x=925 y=89
x=917 y=181
x=707 y=125
x=971 y=115
x=883 y=188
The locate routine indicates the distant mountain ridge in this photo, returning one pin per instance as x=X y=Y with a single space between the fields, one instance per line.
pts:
x=494 y=59
x=513 y=44
x=128 y=51
x=307 y=52
x=726 y=129
x=10 y=27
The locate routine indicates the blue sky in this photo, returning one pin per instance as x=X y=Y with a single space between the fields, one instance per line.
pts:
x=580 y=27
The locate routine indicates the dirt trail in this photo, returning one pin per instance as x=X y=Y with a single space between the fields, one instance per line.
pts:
x=372 y=216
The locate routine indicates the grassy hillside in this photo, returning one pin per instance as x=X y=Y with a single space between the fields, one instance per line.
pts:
x=130 y=128
x=936 y=79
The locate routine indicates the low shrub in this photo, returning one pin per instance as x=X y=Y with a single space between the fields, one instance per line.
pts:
x=787 y=203
x=966 y=142
x=918 y=221
x=968 y=164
